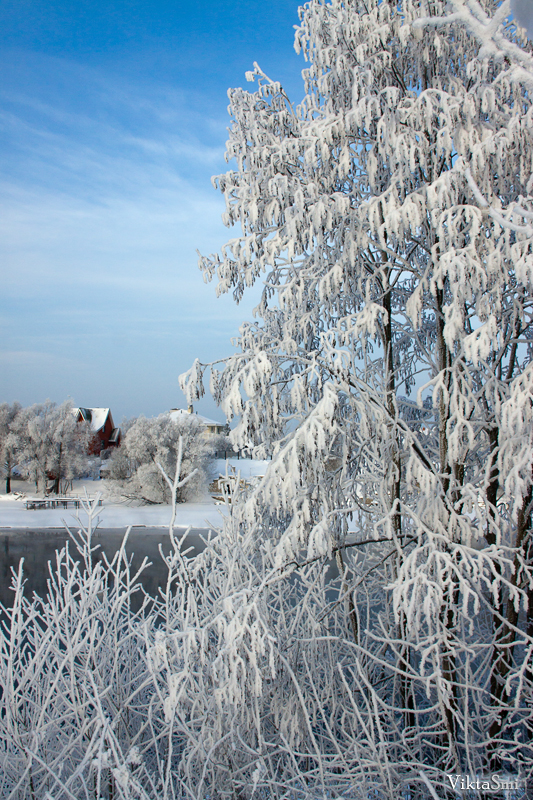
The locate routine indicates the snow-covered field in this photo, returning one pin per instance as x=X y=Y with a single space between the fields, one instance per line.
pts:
x=202 y=514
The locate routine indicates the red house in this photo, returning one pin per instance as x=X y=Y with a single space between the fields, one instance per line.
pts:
x=105 y=435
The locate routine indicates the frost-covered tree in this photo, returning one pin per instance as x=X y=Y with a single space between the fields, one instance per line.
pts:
x=389 y=370
x=150 y=446
x=8 y=440
x=52 y=446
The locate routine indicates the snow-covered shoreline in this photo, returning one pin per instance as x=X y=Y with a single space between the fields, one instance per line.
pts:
x=202 y=514
x=206 y=514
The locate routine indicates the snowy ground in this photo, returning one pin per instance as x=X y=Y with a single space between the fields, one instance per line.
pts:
x=13 y=512
x=203 y=514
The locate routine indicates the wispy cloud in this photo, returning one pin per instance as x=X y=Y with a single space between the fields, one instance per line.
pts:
x=120 y=150
x=102 y=209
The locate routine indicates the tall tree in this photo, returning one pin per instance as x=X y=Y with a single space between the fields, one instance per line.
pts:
x=384 y=273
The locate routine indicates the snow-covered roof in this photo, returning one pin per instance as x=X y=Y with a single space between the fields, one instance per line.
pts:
x=95 y=416
x=177 y=414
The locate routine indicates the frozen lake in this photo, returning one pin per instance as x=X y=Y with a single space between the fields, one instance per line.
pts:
x=37 y=546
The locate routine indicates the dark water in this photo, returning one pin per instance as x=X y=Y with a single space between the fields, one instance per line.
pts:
x=38 y=547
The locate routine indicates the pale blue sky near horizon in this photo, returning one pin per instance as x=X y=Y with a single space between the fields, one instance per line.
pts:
x=113 y=119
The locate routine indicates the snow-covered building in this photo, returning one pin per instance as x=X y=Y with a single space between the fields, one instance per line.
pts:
x=105 y=435
x=210 y=426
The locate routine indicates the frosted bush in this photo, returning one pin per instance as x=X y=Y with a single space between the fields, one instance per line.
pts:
x=240 y=677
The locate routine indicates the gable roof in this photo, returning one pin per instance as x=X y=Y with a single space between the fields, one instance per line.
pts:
x=95 y=416
x=178 y=414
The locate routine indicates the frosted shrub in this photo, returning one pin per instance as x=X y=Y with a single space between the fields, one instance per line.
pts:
x=242 y=677
x=238 y=675
x=73 y=697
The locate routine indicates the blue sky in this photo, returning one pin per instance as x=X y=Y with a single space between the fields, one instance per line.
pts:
x=113 y=119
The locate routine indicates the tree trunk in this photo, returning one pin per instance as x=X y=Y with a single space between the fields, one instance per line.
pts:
x=502 y=657
x=404 y=662
x=448 y=612
x=57 y=476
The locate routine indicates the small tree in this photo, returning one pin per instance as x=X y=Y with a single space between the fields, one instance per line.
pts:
x=149 y=442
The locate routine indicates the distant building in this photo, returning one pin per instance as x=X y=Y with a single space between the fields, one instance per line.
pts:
x=210 y=426
x=105 y=435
